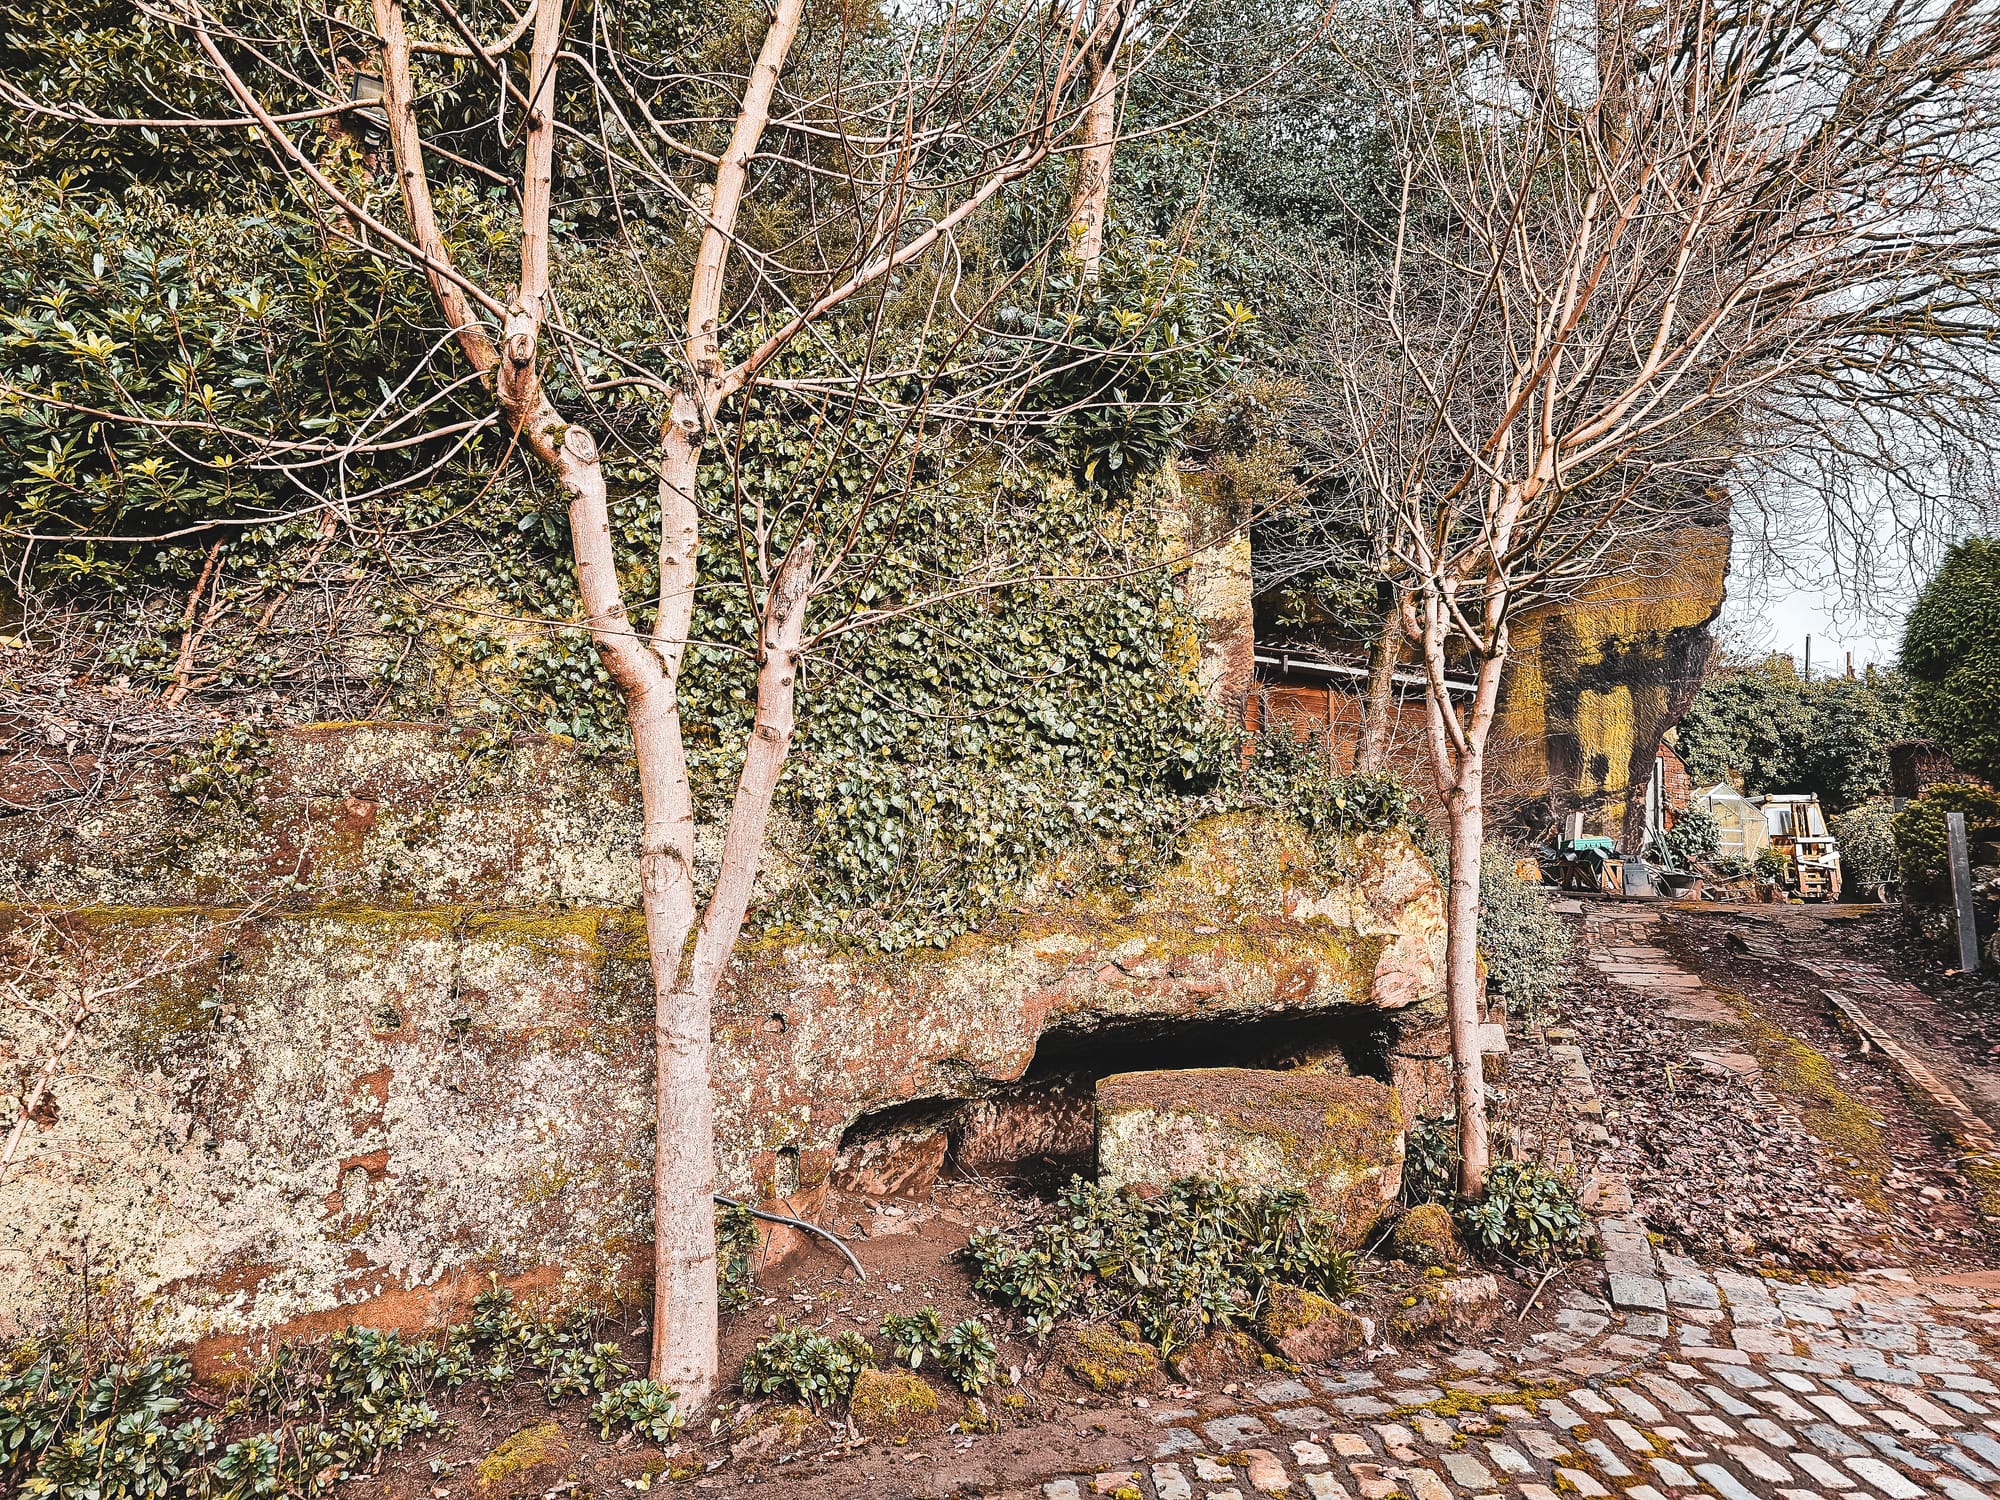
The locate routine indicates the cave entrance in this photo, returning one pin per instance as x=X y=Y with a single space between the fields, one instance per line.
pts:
x=1041 y=1129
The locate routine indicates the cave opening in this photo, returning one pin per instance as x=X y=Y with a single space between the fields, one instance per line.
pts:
x=1039 y=1130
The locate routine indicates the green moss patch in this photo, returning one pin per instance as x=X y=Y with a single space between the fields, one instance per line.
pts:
x=518 y=1462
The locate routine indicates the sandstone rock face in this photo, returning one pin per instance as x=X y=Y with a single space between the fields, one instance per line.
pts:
x=431 y=1055
x=1338 y=1140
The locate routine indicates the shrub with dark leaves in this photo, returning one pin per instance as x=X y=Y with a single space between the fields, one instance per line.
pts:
x=1528 y=1213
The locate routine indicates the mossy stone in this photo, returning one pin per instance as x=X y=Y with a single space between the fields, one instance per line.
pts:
x=1107 y=1361
x=523 y=1463
x=894 y=1403
x=1306 y=1328
x=1217 y=1358
x=1426 y=1236
x=1337 y=1140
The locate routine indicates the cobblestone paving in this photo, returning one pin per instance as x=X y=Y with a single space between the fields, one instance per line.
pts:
x=1684 y=1381
x=1739 y=1386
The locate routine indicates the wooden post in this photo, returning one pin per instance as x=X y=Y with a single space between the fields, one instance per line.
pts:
x=1961 y=893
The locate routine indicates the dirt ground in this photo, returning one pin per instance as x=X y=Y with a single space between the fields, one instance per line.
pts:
x=761 y=1448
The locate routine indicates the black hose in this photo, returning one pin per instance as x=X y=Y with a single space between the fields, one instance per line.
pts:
x=825 y=1234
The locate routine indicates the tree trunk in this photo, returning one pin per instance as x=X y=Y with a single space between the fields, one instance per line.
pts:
x=1458 y=764
x=1466 y=808
x=1091 y=200
x=1379 y=705
x=685 y=1338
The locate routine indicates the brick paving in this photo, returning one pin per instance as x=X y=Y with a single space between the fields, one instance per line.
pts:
x=1685 y=1380
x=1738 y=1385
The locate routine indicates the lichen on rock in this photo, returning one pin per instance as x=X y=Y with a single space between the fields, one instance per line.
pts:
x=1338 y=1140
x=1107 y=1361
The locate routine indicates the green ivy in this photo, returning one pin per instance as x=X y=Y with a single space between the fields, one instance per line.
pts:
x=73 y=1431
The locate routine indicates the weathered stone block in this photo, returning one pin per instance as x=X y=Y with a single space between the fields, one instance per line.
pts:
x=1337 y=1140
x=431 y=1059
x=1218 y=1358
x=1455 y=1306
x=899 y=1164
x=1308 y=1329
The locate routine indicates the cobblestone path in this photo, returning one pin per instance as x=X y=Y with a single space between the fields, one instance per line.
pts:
x=1682 y=1380
x=1870 y=1389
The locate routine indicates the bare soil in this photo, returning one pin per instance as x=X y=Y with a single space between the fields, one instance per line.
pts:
x=1816 y=1160
x=1060 y=1424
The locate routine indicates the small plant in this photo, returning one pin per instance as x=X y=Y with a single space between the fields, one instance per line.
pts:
x=809 y=1366
x=1431 y=1161
x=648 y=1409
x=70 y=1434
x=1299 y=777
x=968 y=1356
x=914 y=1336
x=736 y=1247
x=579 y=1372
x=1529 y=1213
x=221 y=774
x=1774 y=864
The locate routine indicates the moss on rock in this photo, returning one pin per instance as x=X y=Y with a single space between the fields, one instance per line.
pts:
x=1107 y=1361
x=1306 y=1328
x=1426 y=1236
x=1219 y=1357
x=524 y=1463
x=893 y=1403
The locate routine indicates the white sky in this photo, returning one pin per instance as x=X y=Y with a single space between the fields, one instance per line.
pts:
x=1788 y=618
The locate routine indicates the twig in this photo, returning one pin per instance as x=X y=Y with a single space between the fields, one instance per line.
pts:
x=1525 y=1306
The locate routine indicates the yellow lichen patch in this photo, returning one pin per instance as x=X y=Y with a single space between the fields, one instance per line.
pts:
x=1806 y=1079
x=514 y=1463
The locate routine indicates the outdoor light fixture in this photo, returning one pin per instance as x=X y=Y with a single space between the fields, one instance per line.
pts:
x=364 y=90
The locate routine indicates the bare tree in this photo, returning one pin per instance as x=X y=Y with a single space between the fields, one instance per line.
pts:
x=901 y=148
x=1629 y=257
x=1090 y=200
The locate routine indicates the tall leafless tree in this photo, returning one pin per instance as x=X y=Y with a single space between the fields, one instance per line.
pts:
x=1628 y=257
x=904 y=148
